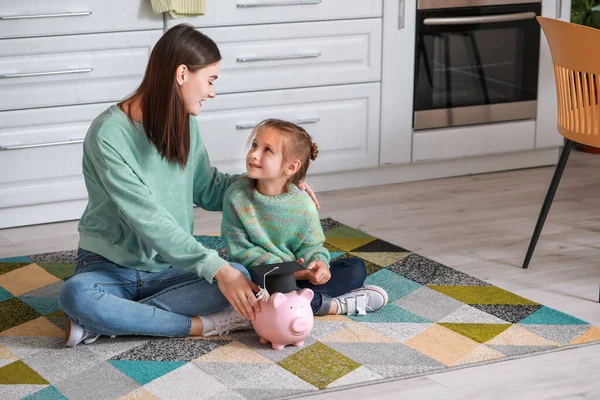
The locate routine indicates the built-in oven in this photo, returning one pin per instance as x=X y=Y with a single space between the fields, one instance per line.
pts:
x=476 y=61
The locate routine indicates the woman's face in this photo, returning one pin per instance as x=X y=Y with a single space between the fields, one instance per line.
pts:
x=196 y=87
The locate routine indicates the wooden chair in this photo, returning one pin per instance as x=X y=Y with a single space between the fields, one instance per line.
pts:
x=575 y=53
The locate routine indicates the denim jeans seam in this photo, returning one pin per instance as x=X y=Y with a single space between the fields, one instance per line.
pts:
x=182 y=285
x=188 y=327
x=168 y=280
x=104 y=284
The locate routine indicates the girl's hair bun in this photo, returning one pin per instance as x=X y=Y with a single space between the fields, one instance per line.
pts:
x=314 y=150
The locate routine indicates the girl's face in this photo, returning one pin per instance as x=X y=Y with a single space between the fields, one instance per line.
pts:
x=264 y=160
x=196 y=87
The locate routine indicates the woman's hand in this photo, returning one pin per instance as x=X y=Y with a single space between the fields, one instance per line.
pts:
x=239 y=291
x=319 y=272
x=304 y=186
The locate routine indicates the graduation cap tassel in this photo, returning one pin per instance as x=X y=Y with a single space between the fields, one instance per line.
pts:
x=262 y=293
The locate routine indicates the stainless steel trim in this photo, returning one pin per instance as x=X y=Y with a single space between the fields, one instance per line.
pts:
x=30 y=146
x=458 y=116
x=431 y=4
x=278 y=3
x=484 y=19
x=278 y=57
x=558 y=9
x=65 y=14
x=62 y=72
x=300 y=121
x=401 y=14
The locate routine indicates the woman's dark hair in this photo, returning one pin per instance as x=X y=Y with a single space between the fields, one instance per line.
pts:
x=165 y=120
x=297 y=144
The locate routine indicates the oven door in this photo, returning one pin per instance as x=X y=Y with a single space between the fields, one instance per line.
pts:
x=476 y=65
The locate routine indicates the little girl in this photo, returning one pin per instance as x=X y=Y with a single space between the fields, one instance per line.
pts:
x=267 y=219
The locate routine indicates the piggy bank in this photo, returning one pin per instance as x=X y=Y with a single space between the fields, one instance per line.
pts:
x=285 y=319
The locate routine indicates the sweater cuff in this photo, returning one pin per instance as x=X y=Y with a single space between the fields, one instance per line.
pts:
x=210 y=267
x=321 y=257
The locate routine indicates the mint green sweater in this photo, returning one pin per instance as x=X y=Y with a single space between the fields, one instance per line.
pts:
x=259 y=229
x=140 y=208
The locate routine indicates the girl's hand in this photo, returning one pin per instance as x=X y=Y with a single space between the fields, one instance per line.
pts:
x=239 y=291
x=303 y=274
x=319 y=272
x=304 y=186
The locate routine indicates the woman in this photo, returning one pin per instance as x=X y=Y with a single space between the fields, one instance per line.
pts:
x=140 y=271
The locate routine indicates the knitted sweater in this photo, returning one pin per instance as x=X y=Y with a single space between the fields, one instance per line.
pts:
x=259 y=229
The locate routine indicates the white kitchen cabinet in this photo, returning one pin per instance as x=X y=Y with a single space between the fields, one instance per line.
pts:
x=34 y=18
x=250 y=12
x=41 y=157
x=342 y=120
x=280 y=56
x=399 y=17
x=61 y=65
x=547 y=110
x=53 y=71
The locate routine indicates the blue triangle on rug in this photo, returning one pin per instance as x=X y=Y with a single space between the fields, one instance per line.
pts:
x=43 y=305
x=550 y=316
x=47 y=393
x=145 y=371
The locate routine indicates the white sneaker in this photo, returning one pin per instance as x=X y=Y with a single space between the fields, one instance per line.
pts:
x=226 y=321
x=359 y=301
x=75 y=334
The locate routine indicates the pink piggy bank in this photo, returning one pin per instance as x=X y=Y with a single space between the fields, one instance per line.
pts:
x=285 y=319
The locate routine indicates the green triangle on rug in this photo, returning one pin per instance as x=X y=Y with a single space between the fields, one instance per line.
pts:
x=550 y=316
x=336 y=254
x=145 y=371
x=47 y=393
x=478 y=332
x=19 y=373
x=59 y=270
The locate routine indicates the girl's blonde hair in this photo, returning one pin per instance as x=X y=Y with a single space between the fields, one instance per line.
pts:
x=297 y=144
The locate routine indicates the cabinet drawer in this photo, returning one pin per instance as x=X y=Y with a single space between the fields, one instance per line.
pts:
x=57 y=71
x=285 y=56
x=25 y=18
x=343 y=121
x=37 y=162
x=246 y=12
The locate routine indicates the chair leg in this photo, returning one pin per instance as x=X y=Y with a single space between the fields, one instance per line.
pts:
x=560 y=167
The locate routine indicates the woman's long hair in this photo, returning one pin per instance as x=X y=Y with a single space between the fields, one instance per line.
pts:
x=165 y=120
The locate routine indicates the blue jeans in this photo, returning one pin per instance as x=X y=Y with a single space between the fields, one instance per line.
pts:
x=346 y=274
x=108 y=299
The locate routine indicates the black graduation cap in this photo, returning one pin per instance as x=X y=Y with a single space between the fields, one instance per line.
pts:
x=280 y=279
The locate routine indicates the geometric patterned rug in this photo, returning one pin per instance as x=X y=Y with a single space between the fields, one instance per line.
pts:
x=437 y=319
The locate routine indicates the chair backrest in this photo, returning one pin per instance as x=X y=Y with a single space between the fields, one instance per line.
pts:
x=575 y=53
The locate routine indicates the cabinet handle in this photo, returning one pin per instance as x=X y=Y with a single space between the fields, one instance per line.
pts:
x=488 y=19
x=300 y=121
x=401 y=9
x=278 y=3
x=30 y=146
x=278 y=57
x=63 y=72
x=65 y=14
x=558 y=9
